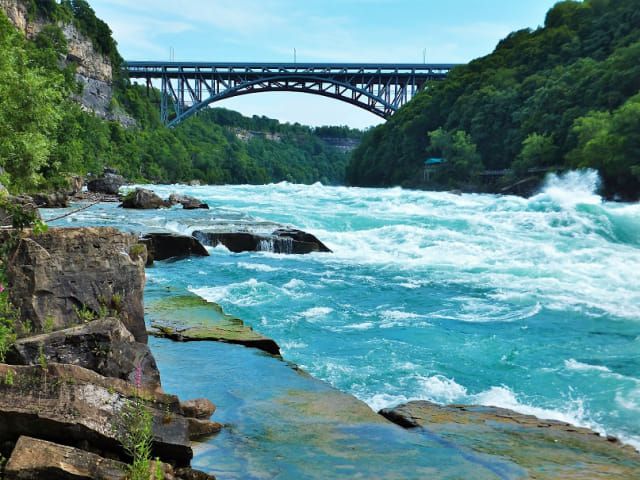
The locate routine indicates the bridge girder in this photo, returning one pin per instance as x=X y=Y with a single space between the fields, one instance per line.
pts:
x=190 y=87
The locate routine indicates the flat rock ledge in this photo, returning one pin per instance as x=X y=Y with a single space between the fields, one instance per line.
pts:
x=546 y=449
x=188 y=318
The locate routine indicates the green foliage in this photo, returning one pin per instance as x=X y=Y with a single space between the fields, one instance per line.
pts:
x=537 y=151
x=136 y=436
x=85 y=314
x=462 y=162
x=9 y=377
x=45 y=137
x=610 y=142
x=523 y=104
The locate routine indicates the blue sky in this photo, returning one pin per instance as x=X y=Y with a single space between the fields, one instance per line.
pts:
x=322 y=30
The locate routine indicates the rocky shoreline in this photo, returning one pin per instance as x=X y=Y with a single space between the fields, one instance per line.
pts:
x=83 y=356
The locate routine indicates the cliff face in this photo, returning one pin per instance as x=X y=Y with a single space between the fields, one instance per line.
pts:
x=94 y=70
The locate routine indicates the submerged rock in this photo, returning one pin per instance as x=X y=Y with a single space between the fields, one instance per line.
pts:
x=79 y=408
x=162 y=246
x=143 y=199
x=287 y=241
x=109 y=184
x=545 y=449
x=68 y=276
x=188 y=202
x=104 y=346
x=188 y=317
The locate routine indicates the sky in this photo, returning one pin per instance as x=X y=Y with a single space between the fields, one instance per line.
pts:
x=368 y=31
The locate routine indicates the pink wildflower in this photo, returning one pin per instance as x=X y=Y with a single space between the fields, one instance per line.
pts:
x=138 y=375
x=1 y=288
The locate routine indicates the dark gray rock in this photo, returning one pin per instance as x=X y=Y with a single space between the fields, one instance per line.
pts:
x=187 y=202
x=104 y=346
x=161 y=246
x=143 y=199
x=109 y=183
x=286 y=241
x=66 y=276
x=24 y=201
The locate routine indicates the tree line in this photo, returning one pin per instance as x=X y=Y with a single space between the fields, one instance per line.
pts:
x=565 y=95
x=45 y=136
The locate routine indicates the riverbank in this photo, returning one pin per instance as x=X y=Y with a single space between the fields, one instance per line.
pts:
x=374 y=321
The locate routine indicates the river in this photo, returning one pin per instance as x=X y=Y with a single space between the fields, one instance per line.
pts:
x=529 y=304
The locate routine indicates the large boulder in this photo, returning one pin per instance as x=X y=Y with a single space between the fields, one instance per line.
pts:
x=109 y=184
x=68 y=276
x=51 y=200
x=79 y=408
x=104 y=346
x=188 y=202
x=143 y=199
x=287 y=241
x=161 y=246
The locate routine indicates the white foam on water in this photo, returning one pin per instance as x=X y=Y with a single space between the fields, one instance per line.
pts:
x=440 y=389
x=575 y=365
x=257 y=267
x=316 y=312
x=294 y=283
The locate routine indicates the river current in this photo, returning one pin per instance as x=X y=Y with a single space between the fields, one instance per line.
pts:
x=529 y=304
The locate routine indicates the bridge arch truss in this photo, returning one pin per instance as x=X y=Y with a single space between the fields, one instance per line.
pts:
x=187 y=88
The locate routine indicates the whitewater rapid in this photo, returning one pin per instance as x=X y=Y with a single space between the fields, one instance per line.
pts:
x=529 y=304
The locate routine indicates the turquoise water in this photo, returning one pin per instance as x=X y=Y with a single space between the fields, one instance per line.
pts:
x=530 y=304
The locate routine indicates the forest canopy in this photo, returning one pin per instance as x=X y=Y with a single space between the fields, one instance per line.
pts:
x=561 y=96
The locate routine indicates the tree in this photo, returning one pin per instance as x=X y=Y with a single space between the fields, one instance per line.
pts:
x=462 y=161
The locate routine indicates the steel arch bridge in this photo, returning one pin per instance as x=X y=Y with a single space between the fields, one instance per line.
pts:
x=187 y=87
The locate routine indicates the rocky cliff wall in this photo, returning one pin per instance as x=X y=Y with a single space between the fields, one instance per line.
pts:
x=94 y=70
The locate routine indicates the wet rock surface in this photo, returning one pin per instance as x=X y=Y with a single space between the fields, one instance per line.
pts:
x=162 y=246
x=66 y=276
x=188 y=317
x=286 y=241
x=104 y=346
x=545 y=449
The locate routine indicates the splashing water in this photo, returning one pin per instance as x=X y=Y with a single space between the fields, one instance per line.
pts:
x=530 y=304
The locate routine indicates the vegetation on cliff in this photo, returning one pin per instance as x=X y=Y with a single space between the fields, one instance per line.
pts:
x=46 y=137
x=564 y=95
